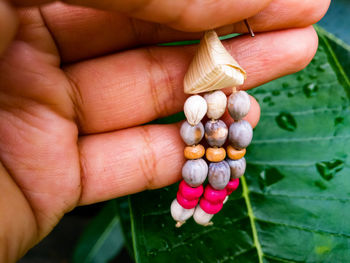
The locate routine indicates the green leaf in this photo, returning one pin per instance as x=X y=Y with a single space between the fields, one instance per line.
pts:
x=293 y=202
x=124 y=214
x=102 y=239
x=337 y=19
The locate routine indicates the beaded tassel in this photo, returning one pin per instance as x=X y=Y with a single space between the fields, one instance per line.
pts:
x=212 y=69
x=224 y=174
x=195 y=170
x=216 y=133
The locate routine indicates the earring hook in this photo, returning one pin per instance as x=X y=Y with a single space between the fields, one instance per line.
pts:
x=249 y=28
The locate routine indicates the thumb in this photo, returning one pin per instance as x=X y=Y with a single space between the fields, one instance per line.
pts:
x=8 y=25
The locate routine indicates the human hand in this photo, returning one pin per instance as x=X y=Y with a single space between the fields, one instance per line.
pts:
x=77 y=83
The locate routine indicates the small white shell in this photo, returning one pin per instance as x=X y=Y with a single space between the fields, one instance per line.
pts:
x=216 y=102
x=212 y=67
x=195 y=108
x=180 y=214
x=201 y=217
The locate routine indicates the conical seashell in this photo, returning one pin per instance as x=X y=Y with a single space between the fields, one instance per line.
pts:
x=212 y=68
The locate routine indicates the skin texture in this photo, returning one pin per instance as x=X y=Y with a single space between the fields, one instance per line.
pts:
x=70 y=110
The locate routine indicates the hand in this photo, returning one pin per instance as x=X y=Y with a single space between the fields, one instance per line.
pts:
x=76 y=84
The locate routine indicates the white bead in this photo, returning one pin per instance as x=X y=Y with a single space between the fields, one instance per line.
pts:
x=238 y=104
x=216 y=102
x=179 y=213
x=195 y=108
x=201 y=217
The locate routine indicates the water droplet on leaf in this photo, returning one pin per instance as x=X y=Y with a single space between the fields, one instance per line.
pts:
x=310 y=89
x=338 y=120
x=328 y=169
x=285 y=85
x=313 y=75
x=323 y=67
x=321 y=185
x=269 y=177
x=286 y=121
x=153 y=252
x=267 y=99
x=276 y=92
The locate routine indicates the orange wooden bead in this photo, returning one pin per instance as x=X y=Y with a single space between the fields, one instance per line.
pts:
x=215 y=154
x=194 y=152
x=235 y=154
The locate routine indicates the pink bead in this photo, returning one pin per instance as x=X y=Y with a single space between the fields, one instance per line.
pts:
x=185 y=203
x=189 y=192
x=232 y=186
x=214 y=196
x=210 y=208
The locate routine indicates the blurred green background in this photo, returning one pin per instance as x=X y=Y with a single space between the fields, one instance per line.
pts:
x=58 y=247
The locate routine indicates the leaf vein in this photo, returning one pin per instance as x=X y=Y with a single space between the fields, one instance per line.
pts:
x=251 y=218
x=313 y=197
x=318 y=231
x=307 y=139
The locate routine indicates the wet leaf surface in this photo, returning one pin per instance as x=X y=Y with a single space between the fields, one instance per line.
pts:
x=293 y=203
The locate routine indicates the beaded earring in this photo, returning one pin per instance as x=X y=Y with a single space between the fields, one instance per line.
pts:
x=212 y=69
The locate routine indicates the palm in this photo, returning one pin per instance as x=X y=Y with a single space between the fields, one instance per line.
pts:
x=71 y=135
x=38 y=135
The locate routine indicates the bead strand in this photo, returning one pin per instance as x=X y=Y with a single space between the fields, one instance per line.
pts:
x=240 y=136
x=195 y=170
x=216 y=133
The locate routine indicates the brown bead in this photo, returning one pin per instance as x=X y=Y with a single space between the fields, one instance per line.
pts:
x=215 y=154
x=194 y=152
x=235 y=154
x=216 y=133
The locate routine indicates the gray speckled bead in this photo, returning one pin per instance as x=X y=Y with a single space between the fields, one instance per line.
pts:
x=219 y=175
x=191 y=135
x=194 y=172
x=238 y=104
x=240 y=134
x=237 y=167
x=216 y=133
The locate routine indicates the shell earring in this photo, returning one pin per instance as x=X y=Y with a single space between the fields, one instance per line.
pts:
x=211 y=70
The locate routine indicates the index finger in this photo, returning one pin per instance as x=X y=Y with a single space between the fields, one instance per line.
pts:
x=180 y=14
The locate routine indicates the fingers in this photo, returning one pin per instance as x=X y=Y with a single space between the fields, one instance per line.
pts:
x=73 y=27
x=18 y=233
x=8 y=25
x=132 y=160
x=182 y=14
x=111 y=94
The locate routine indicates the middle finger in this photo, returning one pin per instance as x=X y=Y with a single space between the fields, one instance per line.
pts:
x=82 y=33
x=137 y=86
